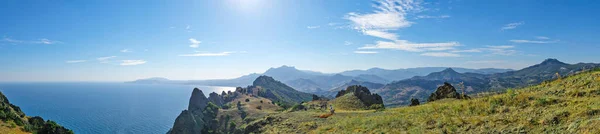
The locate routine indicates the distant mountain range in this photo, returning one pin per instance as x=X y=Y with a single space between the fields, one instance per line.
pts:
x=400 y=92
x=320 y=83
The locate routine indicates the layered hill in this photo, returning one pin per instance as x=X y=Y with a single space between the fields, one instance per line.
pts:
x=275 y=90
x=400 y=92
x=13 y=120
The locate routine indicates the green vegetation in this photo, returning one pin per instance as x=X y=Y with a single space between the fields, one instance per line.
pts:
x=279 y=92
x=568 y=105
x=12 y=117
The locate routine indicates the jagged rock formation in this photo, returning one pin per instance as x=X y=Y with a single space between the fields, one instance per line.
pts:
x=414 y=102
x=446 y=91
x=216 y=99
x=270 y=88
x=194 y=120
x=357 y=96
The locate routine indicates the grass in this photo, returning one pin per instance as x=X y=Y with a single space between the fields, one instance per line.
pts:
x=569 y=105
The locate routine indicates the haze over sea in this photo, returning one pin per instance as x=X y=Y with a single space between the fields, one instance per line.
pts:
x=105 y=107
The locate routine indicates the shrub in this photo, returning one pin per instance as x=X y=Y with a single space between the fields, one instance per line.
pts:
x=261 y=101
x=259 y=107
x=377 y=107
x=247 y=100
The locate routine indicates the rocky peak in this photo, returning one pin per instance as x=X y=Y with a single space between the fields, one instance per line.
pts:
x=198 y=101
x=362 y=93
x=445 y=91
x=216 y=99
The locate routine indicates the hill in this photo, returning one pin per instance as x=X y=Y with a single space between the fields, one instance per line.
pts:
x=13 y=120
x=275 y=90
x=400 y=92
x=357 y=97
x=566 y=105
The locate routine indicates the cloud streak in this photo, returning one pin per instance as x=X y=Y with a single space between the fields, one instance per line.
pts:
x=440 y=54
x=366 y=52
x=132 y=62
x=201 y=54
x=533 y=41
x=313 y=27
x=40 y=41
x=512 y=25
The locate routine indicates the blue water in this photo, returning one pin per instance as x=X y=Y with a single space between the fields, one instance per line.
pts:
x=105 y=107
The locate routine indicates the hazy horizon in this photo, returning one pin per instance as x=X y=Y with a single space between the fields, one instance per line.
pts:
x=196 y=40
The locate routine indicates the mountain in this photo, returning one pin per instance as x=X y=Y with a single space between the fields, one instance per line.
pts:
x=198 y=118
x=357 y=97
x=400 y=74
x=400 y=92
x=316 y=82
x=279 y=92
x=13 y=120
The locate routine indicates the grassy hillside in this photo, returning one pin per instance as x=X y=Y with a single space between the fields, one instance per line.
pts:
x=13 y=120
x=567 y=105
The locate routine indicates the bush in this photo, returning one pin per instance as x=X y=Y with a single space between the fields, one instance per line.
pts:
x=247 y=100
x=259 y=107
x=261 y=101
x=377 y=107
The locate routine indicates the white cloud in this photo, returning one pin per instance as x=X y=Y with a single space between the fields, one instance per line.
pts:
x=40 y=41
x=132 y=62
x=390 y=15
x=501 y=50
x=188 y=27
x=440 y=54
x=512 y=25
x=366 y=52
x=75 y=61
x=126 y=51
x=381 y=34
x=533 y=41
x=413 y=47
x=195 y=43
x=201 y=54
x=348 y=43
x=433 y=17
x=542 y=38
x=467 y=51
x=313 y=27
x=105 y=58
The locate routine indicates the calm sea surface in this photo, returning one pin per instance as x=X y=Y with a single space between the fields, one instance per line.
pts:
x=105 y=107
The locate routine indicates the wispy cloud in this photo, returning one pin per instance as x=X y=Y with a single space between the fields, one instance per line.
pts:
x=542 y=38
x=440 y=54
x=410 y=46
x=132 y=62
x=313 y=27
x=203 y=54
x=348 y=43
x=512 y=25
x=390 y=15
x=195 y=43
x=433 y=17
x=534 y=41
x=366 y=52
x=501 y=50
x=105 y=58
x=75 y=61
x=40 y=41
x=475 y=50
x=126 y=51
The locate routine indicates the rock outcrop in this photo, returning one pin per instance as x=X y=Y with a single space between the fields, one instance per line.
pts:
x=216 y=99
x=370 y=100
x=193 y=120
x=414 y=102
x=446 y=91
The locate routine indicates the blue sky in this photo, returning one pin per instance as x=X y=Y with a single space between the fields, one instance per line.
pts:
x=127 y=40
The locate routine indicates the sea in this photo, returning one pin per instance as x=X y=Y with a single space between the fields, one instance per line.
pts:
x=105 y=108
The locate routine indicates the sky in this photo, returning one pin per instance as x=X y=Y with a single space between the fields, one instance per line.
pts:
x=114 y=40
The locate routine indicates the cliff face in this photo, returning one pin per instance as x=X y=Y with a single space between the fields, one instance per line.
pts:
x=193 y=120
x=216 y=99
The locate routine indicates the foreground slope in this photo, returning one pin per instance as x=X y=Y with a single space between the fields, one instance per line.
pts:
x=13 y=120
x=566 y=105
